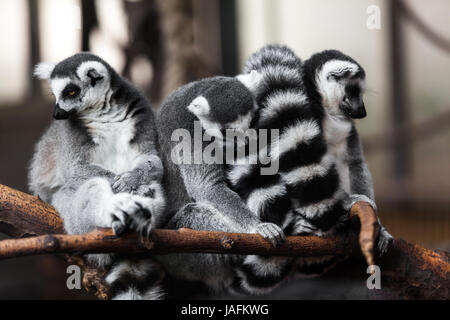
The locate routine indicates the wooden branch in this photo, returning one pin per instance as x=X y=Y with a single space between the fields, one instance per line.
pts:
x=163 y=241
x=369 y=230
x=23 y=215
x=412 y=270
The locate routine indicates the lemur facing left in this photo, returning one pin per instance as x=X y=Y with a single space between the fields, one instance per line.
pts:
x=98 y=163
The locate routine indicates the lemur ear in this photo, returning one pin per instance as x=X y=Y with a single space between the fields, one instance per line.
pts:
x=44 y=70
x=94 y=76
x=250 y=80
x=199 y=106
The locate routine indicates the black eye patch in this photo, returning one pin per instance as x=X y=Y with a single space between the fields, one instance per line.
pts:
x=71 y=91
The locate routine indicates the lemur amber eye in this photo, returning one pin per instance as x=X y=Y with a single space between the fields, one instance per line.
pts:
x=72 y=93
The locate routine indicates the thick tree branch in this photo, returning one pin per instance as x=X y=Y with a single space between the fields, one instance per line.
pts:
x=22 y=214
x=164 y=241
x=413 y=271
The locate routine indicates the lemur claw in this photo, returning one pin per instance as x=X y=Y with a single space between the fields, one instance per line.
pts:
x=271 y=232
x=384 y=241
x=126 y=211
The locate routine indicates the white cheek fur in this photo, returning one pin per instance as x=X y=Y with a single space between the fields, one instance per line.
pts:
x=57 y=85
x=332 y=91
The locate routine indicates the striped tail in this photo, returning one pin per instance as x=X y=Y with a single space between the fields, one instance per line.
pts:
x=305 y=196
x=135 y=280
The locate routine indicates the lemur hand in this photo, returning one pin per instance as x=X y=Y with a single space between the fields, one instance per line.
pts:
x=354 y=198
x=271 y=232
x=129 y=211
x=384 y=240
x=129 y=182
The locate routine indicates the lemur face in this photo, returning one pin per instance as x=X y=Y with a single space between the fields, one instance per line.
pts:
x=340 y=82
x=225 y=104
x=78 y=83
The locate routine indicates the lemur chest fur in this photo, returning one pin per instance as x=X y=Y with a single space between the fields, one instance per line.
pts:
x=336 y=131
x=113 y=150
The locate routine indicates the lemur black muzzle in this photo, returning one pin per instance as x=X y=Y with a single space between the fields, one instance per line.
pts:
x=355 y=109
x=61 y=114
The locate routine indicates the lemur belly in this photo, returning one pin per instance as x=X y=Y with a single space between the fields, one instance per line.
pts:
x=113 y=150
x=336 y=133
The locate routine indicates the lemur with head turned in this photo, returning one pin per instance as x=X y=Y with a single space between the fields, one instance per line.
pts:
x=98 y=163
x=322 y=168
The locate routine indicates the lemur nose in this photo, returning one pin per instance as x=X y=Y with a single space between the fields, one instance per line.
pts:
x=60 y=114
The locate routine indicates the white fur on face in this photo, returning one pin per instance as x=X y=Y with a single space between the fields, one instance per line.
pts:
x=94 y=96
x=84 y=67
x=89 y=96
x=57 y=85
x=332 y=91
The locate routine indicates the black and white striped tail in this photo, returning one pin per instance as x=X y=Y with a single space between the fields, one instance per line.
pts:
x=135 y=280
x=305 y=197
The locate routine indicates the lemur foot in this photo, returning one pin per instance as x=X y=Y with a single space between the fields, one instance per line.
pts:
x=385 y=239
x=129 y=211
x=271 y=232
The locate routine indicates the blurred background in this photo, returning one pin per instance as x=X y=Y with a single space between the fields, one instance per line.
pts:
x=404 y=47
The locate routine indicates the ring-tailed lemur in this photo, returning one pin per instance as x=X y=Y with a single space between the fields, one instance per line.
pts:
x=312 y=156
x=337 y=82
x=276 y=80
x=199 y=192
x=98 y=164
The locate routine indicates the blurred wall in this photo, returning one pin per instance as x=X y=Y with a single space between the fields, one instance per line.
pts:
x=311 y=26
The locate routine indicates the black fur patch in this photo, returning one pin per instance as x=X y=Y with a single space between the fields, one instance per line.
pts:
x=141 y=284
x=317 y=189
x=260 y=282
x=305 y=153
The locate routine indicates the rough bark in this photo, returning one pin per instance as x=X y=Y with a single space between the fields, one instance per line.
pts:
x=163 y=241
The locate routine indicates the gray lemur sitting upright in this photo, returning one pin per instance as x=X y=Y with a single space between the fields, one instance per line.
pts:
x=200 y=196
x=97 y=163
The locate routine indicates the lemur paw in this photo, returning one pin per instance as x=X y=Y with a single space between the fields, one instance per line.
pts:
x=353 y=198
x=271 y=232
x=126 y=182
x=126 y=211
x=385 y=239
